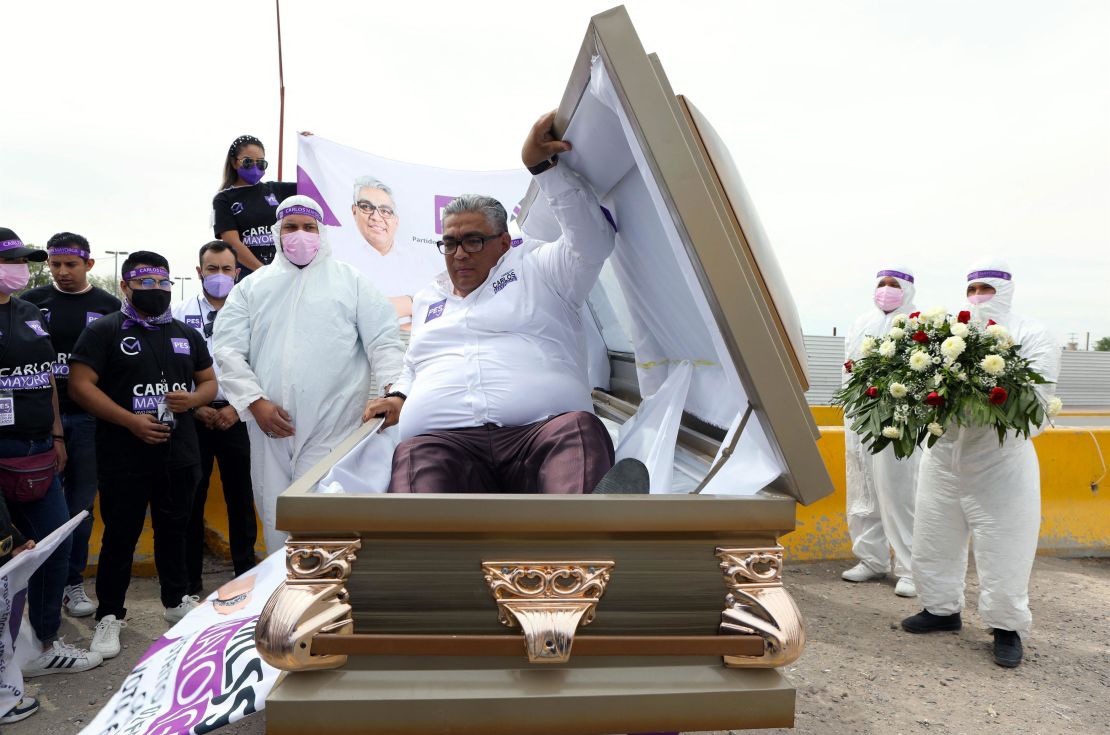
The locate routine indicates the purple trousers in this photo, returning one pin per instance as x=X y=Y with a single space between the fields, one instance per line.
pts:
x=568 y=453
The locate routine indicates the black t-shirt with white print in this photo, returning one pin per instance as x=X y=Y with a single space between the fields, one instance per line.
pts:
x=251 y=211
x=26 y=364
x=135 y=367
x=67 y=315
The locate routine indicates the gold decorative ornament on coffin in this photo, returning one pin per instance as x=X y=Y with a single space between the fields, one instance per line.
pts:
x=313 y=599
x=759 y=605
x=548 y=600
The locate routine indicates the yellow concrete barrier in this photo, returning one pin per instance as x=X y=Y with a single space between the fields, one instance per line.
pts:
x=1075 y=512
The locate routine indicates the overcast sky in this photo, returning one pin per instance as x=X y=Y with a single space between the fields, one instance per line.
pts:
x=869 y=133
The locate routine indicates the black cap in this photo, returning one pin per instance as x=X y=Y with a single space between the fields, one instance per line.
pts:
x=11 y=247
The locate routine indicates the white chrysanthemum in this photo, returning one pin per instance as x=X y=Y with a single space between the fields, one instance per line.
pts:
x=936 y=429
x=896 y=333
x=993 y=364
x=960 y=330
x=868 y=344
x=920 y=361
x=933 y=313
x=953 y=347
x=1055 y=405
x=899 y=320
x=892 y=432
x=898 y=390
x=1003 y=343
x=997 y=331
x=886 y=349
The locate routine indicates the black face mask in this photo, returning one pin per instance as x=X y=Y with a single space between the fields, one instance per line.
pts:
x=151 y=301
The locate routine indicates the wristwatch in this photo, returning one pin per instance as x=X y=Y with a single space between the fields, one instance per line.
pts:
x=396 y=394
x=542 y=166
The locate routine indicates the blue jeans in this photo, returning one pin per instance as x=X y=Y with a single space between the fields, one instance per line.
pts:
x=79 y=483
x=36 y=520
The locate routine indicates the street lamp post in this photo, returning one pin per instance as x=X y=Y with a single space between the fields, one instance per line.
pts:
x=182 y=279
x=117 y=253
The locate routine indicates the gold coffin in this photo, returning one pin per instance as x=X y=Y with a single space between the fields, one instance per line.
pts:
x=525 y=614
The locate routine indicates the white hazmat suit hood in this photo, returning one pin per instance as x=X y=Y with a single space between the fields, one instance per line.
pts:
x=879 y=488
x=306 y=338
x=973 y=488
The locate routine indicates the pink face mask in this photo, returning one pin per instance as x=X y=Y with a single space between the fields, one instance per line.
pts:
x=13 y=277
x=888 y=298
x=980 y=298
x=300 y=246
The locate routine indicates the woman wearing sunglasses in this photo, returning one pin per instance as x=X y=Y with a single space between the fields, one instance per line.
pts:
x=243 y=211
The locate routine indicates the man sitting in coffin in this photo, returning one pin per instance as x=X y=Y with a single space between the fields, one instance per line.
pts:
x=494 y=395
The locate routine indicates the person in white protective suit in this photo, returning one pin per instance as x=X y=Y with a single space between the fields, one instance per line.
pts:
x=880 y=487
x=972 y=488
x=296 y=344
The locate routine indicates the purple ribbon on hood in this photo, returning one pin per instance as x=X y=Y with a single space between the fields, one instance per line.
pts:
x=974 y=275
x=895 y=274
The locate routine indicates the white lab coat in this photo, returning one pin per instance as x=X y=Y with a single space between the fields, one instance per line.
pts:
x=880 y=488
x=306 y=339
x=970 y=487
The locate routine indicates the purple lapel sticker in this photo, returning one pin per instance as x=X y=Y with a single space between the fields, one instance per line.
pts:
x=36 y=327
x=271 y=200
x=194 y=321
x=504 y=281
x=435 y=311
x=91 y=316
x=180 y=345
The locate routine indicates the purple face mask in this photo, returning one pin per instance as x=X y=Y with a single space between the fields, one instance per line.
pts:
x=980 y=298
x=218 y=285
x=888 y=298
x=250 y=175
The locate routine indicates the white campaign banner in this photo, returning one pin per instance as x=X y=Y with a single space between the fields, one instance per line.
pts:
x=15 y=648
x=397 y=253
x=205 y=672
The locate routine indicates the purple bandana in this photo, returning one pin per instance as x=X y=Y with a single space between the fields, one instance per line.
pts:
x=299 y=209
x=10 y=244
x=146 y=270
x=895 y=274
x=134 y=319
x=975 y=275
x=70 y=251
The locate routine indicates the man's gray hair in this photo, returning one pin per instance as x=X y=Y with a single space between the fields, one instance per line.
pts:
x=369 y=182
x=488 y=207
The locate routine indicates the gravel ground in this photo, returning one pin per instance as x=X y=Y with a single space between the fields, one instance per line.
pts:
x=859 y=674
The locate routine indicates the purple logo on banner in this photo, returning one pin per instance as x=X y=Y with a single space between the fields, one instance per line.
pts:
x=91 y=316
x=180 y=345
x=504 y=281
x=36 y=327
x=194 y=321
x=435 y=311
x=441 y=202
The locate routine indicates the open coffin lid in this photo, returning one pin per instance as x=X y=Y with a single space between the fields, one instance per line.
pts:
x=407 y=614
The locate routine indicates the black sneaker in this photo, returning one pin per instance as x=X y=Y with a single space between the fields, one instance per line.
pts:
x=23 y=709
x=1007 y=648
x=627 y=477
x=926 y=622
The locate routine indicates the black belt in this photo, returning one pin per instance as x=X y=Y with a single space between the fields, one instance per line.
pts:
x=219 y=404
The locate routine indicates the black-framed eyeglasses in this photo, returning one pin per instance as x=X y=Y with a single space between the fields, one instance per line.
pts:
x=163 y=283
x=368 y=209
x=261 y=163
x=470 y=244
x=210 y=323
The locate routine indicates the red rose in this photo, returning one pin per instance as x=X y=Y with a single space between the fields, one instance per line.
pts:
x=991 y=322
x=872 y=392
x=964 y=317
x=915 y=315
x=848 y=366
x=934 y=399
x=998 y=396
x=920 y=337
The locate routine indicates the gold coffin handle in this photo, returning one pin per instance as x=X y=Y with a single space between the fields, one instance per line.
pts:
x=757 y=604
x=313 y=599
x=549 y=600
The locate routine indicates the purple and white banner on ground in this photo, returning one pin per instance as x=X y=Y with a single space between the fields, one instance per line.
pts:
x=17 y=649
x=205 y=672
x=390 y=235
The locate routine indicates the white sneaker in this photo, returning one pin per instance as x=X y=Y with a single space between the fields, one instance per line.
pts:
x=174 y=614
x=105 y=639
x=905 y=587
x=77 y=603
x=861 y=573
x=23 y=709
x=62 y=658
